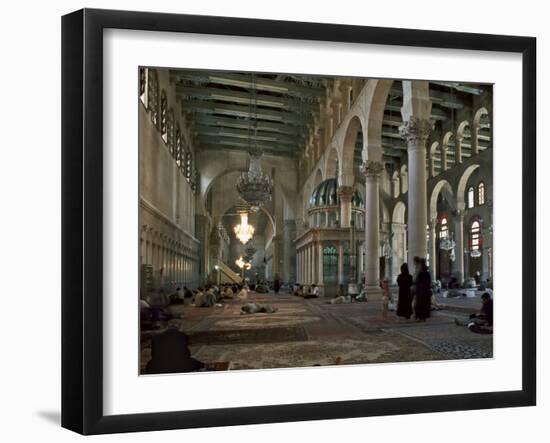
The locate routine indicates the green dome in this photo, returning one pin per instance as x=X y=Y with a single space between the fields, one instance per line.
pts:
x=325 y=194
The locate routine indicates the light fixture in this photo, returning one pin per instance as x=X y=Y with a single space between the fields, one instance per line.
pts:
x=243 y=265
x=254 y=187
x=244 y=231
x=447 y=243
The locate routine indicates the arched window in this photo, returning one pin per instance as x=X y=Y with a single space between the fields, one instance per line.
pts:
x=481 y=193
x=178 y=145
x=404 y=179
x=471 y=197
x=143 y=86
x=163 y=115
x=153 y=96
x=188 y=167
x=475 y=236
x=170 y=131
x=443 y=229
x=350 y=97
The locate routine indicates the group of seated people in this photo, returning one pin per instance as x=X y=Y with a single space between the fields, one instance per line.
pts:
x=312 y=291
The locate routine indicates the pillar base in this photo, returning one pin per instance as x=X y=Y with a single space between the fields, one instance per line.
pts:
x=374 y=293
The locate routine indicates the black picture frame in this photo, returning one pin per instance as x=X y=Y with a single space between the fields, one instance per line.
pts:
x=82 y=218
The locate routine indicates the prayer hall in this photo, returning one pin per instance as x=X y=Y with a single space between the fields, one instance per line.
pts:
x=293 y=220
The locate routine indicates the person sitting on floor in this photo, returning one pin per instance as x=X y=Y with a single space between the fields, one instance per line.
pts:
x=158 y=306
x=170 y=352
x=243 y=293
x=254 y=308
x=482 y=322
x=204 y=299
x=187 y=293
x=212 y=294
x=362 y=296
x=176 y=297
x=315 y=292
x=228 y=293
x=299 y=292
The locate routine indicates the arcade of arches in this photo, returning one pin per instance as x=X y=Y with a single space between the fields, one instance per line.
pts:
x=366 y=175
x=402 y=164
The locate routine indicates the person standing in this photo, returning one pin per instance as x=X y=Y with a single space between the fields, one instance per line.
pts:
x=276 y=284
x=423 y=292
x=404 y=301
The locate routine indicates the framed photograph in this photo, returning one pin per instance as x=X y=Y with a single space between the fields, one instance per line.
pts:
x=269 y=221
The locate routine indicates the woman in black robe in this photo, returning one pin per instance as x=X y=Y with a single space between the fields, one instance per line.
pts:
x=423 y=292
x=404 y=301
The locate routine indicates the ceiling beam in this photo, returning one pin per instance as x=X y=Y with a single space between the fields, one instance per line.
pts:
x=437 y=114
x=266 y=151
x=245 y=81
x=245 y=123
x=210 y=93
x=439 y=98
x=470 y=89
x=244 y=144
x=245 y=134
x=243 y=111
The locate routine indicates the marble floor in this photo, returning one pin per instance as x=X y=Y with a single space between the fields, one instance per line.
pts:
x=312 y=332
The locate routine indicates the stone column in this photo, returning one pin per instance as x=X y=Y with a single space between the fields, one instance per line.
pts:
x=416 y=132
x=308 y=264
x=372 y=170
x=289 y=251
x=340 y=263
x=433 y=247
x=302 y=265
x=320 y=277
x=297 y=266
x=398 y=248
x=345 y=193
x=459 y=239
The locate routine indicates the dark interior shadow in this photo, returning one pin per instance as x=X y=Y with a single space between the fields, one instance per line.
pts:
x=53 y=417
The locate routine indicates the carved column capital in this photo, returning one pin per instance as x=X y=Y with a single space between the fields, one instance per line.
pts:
x=416 y=129
x=345 y=192
x=371 y=168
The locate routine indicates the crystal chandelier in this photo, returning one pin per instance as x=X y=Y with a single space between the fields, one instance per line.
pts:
x=242 y=264
x=244 y=231
x=447 y=243
x=254 y=187
x=475 y=253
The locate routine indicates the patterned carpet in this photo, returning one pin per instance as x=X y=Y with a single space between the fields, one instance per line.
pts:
x=311 y=332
